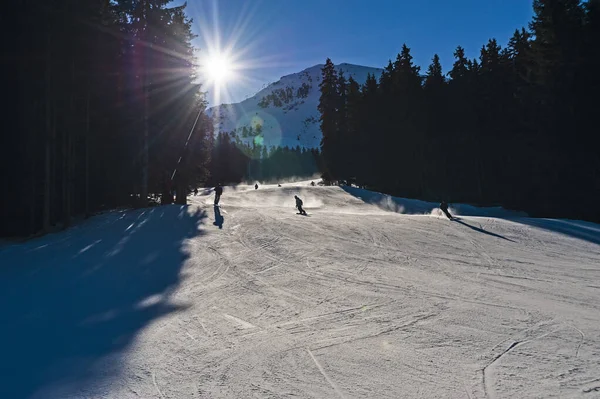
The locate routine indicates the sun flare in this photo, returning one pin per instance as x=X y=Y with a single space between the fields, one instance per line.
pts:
x=218 y=68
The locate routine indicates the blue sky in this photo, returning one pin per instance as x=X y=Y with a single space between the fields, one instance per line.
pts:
x=272 y=38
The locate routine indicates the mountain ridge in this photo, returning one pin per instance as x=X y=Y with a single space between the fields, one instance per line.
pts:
x=284 y=113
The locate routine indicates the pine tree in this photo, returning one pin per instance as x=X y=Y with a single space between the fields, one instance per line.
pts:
x=460 y=69
x=558 y=29
x=462 y=126
x=436 y=119
x=342 y=160
x=369 y=117
x=435 y=77
x=404 y=141
x=591 y=79
x=328 y=107
x=354 y=143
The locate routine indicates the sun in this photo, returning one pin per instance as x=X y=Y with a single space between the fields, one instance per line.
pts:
x=218 y=68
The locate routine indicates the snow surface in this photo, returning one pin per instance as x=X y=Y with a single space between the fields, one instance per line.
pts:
x=293 y=123
x=368 y=296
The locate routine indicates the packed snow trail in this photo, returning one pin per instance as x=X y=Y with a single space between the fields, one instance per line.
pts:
x=368 y=297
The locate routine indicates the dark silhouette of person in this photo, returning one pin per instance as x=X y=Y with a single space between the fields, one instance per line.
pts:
x=196 y=191
x=167 y=197
x=256 y=186
x=279 y=185
x=312 y=183
x=218 y=193
x=444 y=208
x=299 y=206
x=218 y=218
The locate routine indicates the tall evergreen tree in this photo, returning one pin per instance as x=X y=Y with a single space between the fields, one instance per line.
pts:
x=404 y=143
x=354 y=143
x=341 y=161
x=328 y=107
x=436 y=120
x=557 y=27
x=461 y=171
x=435 y=77
x=460 y=68
x=369 y=117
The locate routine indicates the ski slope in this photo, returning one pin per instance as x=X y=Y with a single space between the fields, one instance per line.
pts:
x=367 y=297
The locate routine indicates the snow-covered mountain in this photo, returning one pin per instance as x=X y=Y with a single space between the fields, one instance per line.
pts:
x=285 y=112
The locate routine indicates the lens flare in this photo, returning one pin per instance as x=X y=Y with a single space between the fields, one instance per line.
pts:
x=218 y=68
x=265 y=129
x=231 y=58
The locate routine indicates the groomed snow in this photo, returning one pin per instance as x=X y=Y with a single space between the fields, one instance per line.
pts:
x=367 y=297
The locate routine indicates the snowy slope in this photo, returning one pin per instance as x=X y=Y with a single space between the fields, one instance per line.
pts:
x=286 y=110
x=367 y=297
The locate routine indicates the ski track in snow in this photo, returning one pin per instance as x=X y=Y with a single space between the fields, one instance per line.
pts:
x=335 y=388
x=156 y=386
x=357 y=301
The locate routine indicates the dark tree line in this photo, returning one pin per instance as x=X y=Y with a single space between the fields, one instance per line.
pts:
x=235 y=161
x=516 y=127
x=101 y=102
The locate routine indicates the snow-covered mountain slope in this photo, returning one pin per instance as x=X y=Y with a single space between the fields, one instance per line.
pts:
x=368 y=296
x=286 y=110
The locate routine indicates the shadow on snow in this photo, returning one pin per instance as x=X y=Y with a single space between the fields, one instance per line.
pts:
x=586 y=231
x=581 y=230
x=219 y=220
x=480 y=230
x=418 y=207
x=76 y=300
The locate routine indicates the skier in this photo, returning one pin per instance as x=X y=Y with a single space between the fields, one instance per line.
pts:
x=218 y=192
x=256 y=186
x=196 y=191
x=444 y=208
x=166 y=197
x=299 y=206
x=312 y=183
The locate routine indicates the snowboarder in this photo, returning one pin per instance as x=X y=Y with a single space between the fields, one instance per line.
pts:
x=299 y=206
x=444 y=208
x=218 y=192
x=256 y=186
x=312 y=183
x=196 y=191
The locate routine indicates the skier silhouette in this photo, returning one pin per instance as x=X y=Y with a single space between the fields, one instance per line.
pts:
x=256 y=186
x=299 y=206
x=218 y=192
x=444 y=208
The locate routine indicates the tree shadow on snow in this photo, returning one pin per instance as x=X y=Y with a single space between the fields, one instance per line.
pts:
x=586 y=231
x=581 y=230
x=409 y=206
x=73 y=302
x=418 y=207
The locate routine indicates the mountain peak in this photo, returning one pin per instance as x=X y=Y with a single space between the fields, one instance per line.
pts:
x=284 y=113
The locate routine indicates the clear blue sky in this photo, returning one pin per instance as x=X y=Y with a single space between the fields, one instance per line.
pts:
x=271 y=38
